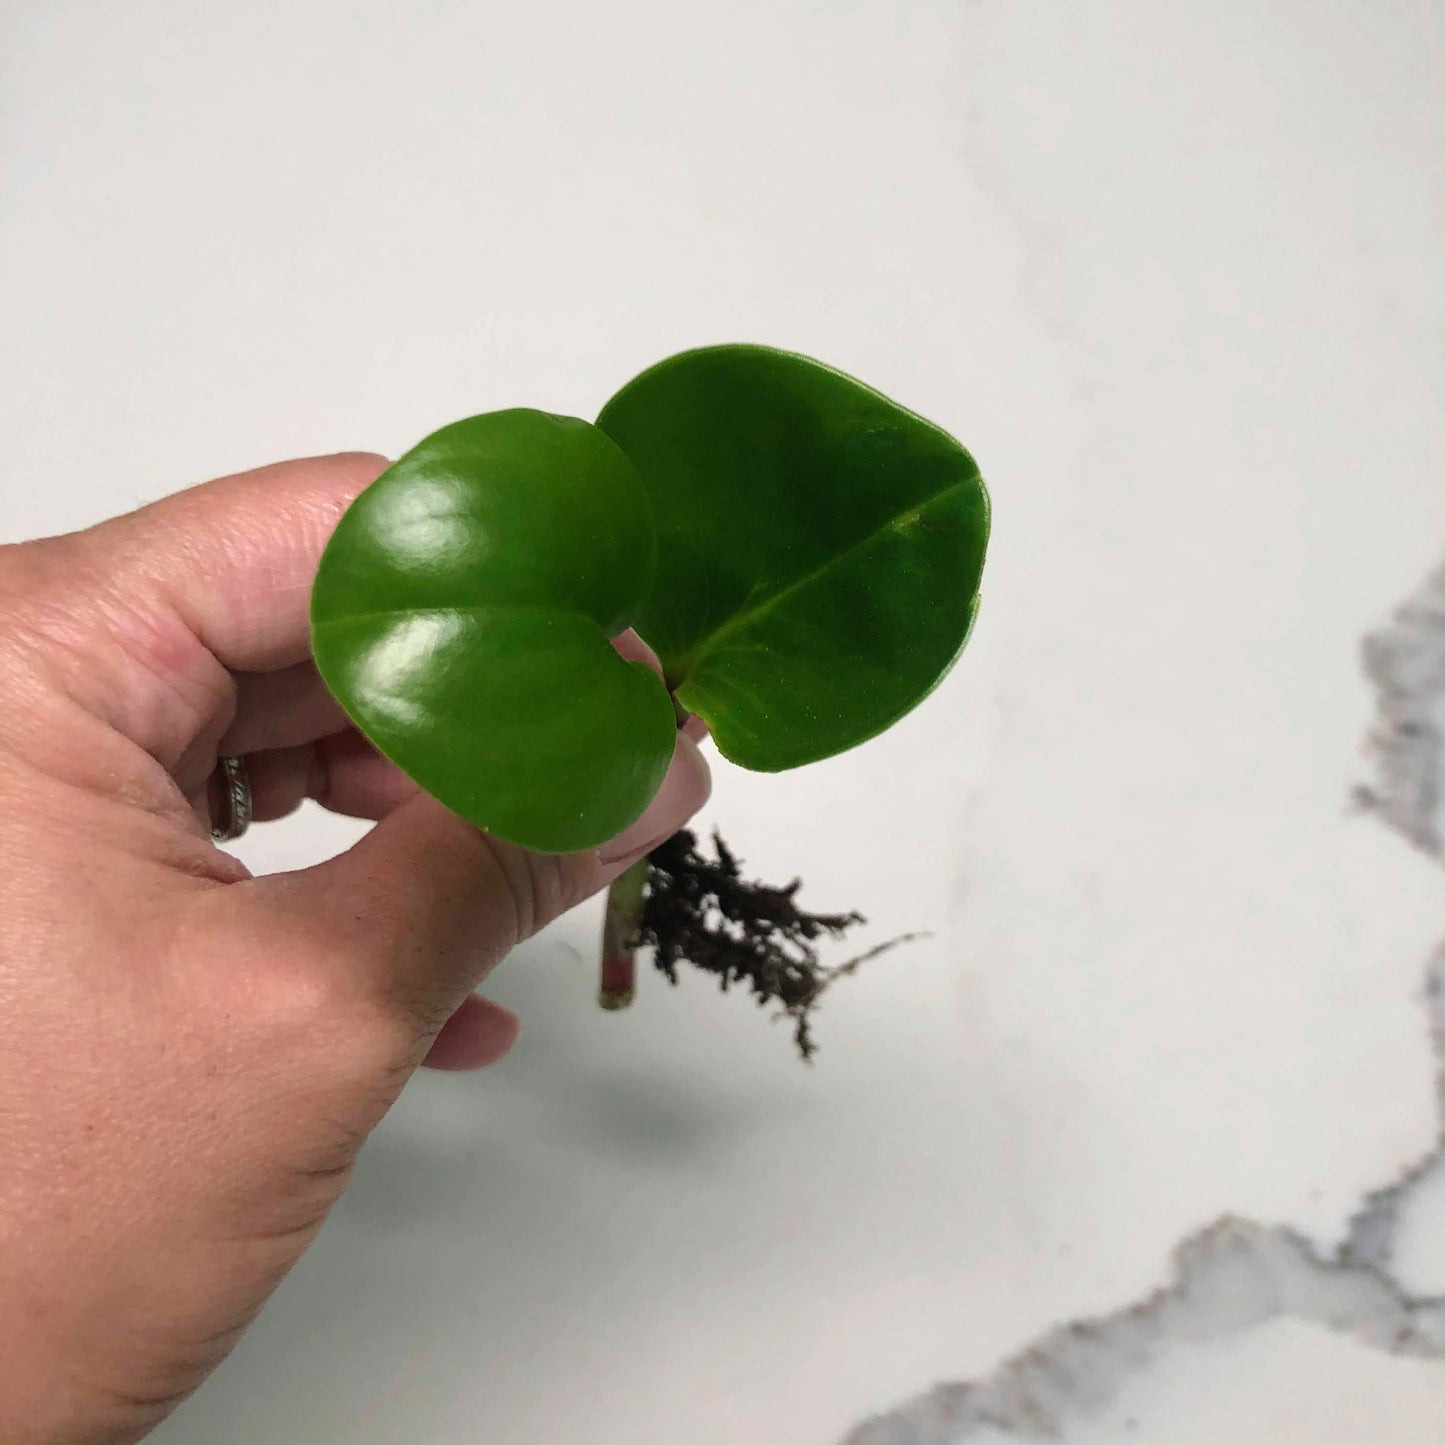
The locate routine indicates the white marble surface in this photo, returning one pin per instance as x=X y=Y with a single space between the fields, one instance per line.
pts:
x=1173 y=271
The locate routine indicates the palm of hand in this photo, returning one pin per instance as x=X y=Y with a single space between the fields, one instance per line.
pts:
x=194 y=1056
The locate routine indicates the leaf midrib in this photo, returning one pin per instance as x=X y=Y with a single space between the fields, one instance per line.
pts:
x=749 y=615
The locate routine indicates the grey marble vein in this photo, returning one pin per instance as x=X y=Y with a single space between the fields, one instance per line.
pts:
x=1228 y=1278
x=1406 y=663
x=1237 y=1274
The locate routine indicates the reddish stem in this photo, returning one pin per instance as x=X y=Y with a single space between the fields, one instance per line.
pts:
x=618 y=984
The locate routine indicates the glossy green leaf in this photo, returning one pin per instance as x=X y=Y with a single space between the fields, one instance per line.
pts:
x=819 y=548
x=461 y=615
x=803 y=553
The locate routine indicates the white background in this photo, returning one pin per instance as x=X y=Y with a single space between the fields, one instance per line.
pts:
x=1174 y=273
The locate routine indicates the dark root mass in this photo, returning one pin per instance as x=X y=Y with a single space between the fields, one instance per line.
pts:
x=702 y=911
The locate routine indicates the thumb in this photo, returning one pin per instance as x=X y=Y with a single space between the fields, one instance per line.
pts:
x=426 y=904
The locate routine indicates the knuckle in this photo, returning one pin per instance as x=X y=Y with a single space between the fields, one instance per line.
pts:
x=540 y=887
x=558 y=884
x=515 y=885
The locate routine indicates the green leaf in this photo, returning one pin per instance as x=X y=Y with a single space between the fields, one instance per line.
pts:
x=803 y=554
x=461 y=615
x=819 y=548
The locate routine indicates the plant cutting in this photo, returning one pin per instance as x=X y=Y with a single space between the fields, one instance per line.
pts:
x=802 y=555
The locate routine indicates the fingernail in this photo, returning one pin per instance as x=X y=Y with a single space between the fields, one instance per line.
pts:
x=684 y=790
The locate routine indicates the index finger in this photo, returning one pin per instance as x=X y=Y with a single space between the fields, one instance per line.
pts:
x=234 y=559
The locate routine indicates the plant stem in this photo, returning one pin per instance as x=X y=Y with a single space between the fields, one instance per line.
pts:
x=619 y=930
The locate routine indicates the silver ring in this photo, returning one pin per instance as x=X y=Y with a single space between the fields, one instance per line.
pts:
x=235 y=801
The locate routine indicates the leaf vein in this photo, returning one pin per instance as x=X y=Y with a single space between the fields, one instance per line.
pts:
x=750 y=613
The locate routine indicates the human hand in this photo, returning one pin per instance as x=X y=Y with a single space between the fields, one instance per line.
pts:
x=194 y=1056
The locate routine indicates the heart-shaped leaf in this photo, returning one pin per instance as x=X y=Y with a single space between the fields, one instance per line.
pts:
x=812 y=574
x=461 y=616
x=819 y=548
